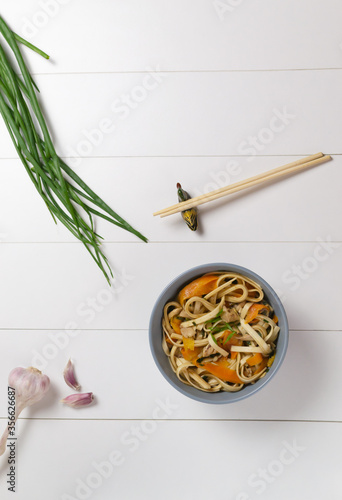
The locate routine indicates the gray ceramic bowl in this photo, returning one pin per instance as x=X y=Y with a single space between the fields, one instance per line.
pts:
x=155 y=334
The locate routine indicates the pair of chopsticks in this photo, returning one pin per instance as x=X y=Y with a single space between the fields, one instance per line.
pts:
x=270 y=175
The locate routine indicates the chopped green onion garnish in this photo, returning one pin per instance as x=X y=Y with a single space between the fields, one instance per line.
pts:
x=229 y=337
x=218 y=316
x=218 y=329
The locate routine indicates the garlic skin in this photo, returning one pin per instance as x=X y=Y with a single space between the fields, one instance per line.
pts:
x=69 y=376
x=30 y=386
x=79 y=400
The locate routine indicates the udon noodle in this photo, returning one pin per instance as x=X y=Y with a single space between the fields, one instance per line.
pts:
x=220 y=333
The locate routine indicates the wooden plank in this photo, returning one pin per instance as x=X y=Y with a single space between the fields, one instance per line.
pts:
x=136 y=187
x=130 y=385
x=196 y=35
x=67 y=287
x=134 y=459
x=184 y=114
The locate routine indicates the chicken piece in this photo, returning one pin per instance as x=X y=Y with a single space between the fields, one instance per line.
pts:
x=248 y=372
x=239 y=306
x=207 y=351
x=188 y=332
x=229 y=315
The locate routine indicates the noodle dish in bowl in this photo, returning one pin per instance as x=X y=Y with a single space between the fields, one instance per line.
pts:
x=218 y=333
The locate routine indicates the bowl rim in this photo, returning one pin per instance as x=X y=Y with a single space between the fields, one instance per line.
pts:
x=199 y=270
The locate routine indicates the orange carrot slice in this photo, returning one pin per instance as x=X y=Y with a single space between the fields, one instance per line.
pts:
x=220 y=368
x=197 y=288
x=222 y=371
x=253 y=311
x=263 y=365
x=190 y=355
x=255 y=360
x=227 y=345
x=189 y=344
x=175 y=324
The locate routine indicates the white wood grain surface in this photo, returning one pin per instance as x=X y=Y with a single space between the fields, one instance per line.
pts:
x=191 y=114
x=68 y=287
x=299 y=208
x=294 y=453
x=297 y=396
x=140 y=96
x=182 y=36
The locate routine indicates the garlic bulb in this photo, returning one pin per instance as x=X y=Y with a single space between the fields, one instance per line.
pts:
x=30 y=386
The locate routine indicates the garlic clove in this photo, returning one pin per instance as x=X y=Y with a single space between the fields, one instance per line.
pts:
x=79 y=400
x=69 y=376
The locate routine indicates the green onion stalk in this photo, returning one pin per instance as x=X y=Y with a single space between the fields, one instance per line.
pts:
x=67 y=197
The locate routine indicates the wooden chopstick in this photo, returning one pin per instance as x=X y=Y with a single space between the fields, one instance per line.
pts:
x=248 y=183
x=224 y=189
x=241 y=183
x=292 y=167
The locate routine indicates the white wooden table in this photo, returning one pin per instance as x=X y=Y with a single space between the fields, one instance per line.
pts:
x=205 y=93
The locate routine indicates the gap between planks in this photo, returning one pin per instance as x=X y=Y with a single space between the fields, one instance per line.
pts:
x=113 y=157
x=180 y=420
x=4 y=330
x=134 y=72
x=207 y=242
